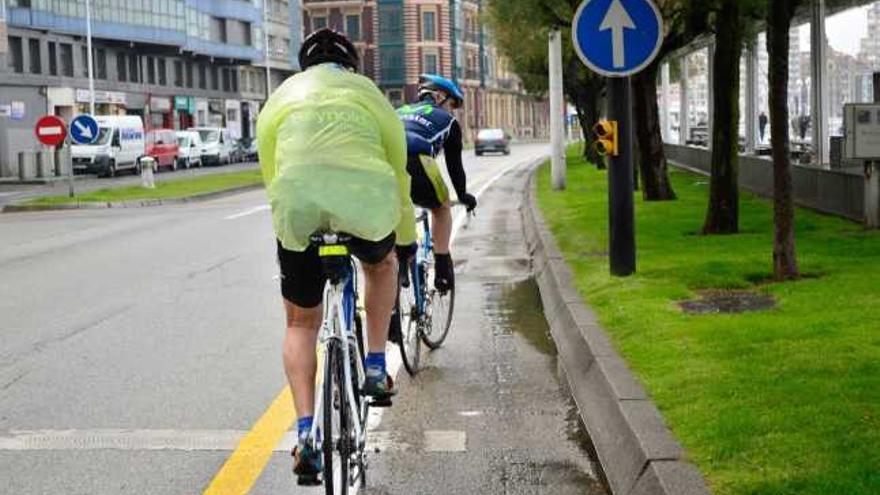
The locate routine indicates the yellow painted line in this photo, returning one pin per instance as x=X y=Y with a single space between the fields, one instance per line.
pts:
x=247 y=462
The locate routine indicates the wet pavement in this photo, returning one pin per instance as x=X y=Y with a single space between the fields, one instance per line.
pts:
x=494 y=383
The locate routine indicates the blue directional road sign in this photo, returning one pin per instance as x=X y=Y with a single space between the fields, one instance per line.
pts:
x=617 y=38
x=84 y=129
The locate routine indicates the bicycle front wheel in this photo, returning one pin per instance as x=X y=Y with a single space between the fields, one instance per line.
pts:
x=336 y=444
x=439 y=307
x=408 y=319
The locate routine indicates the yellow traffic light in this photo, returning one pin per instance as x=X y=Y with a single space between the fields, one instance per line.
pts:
x=605 y=132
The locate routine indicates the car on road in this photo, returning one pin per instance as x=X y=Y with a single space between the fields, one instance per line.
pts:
x=492 y=140
x=120 y=146
x=217 y=145
x=162 y=146
x=190 y=149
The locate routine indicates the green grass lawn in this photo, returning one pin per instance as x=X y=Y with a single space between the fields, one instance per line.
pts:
x=165 y=189
x=784 y=401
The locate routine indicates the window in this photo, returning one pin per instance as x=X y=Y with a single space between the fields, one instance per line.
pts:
x=151 y=70
x=84 y=54
x=163 y=73
x=133 y=69
x=178 y=73
x=319 y=23
x=430 y=64
x=53 y=60
x=227 y=83
x=188 y=72
x=101 y=64
x=203 y=77
x=390 y=22
x=218 y=29
x=429 y=26
x=16 y=56
x=215 y=79
x=234 y=77
x=66 y=59
x=353 y=27
x=36 y=60
x=121 y=68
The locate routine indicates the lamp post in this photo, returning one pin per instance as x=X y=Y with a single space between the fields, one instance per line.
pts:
x=90 y=62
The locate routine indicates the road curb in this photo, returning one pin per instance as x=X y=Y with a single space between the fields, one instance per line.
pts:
x=638 y=453
x=16 y=208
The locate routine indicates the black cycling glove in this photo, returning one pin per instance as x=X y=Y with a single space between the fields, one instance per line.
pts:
x=469 y=201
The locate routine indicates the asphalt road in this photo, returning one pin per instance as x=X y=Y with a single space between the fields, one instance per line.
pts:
x=139 y=353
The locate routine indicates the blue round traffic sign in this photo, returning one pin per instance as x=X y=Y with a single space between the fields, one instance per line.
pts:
x=84 y=129
x=617 y=38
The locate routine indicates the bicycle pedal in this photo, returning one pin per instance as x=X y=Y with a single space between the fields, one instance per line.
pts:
x=308 y=480
x=383 y=402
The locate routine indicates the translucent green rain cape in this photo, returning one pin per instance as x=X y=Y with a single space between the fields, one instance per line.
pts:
x=333 y=155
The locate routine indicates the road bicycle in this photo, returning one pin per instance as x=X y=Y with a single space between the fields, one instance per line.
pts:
x=340 y=406
x=422 y=313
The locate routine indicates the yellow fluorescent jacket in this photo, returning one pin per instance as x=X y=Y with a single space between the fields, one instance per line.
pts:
x=333 y=156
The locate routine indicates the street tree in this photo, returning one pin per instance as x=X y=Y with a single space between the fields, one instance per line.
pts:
x=779 y=17
x=684 y=21
x=730 y=21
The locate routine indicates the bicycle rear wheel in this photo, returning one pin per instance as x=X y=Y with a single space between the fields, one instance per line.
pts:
x=408 y=318
x=438 y=308
x=337 y=429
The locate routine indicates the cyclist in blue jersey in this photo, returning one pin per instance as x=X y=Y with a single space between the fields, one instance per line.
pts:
x=431 y=128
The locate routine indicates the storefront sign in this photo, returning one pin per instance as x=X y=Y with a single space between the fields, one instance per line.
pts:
x=17 y=110
x=112 y=97
x=160 y=104
x=181 y=102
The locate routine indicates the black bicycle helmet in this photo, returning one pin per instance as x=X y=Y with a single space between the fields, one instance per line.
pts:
x=326 y=45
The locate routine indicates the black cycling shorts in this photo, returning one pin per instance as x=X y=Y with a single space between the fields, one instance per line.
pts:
x=427 y=188
x=302 y=275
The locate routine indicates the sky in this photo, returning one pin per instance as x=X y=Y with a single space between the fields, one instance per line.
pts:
x=844 y=31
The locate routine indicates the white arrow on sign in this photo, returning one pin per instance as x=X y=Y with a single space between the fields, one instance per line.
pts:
x=84 y=130
x=617 y=19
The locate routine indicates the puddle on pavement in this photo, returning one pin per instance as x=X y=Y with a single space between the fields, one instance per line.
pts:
x=516 y=308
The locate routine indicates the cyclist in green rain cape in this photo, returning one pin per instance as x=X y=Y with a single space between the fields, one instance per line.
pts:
x=333 y=156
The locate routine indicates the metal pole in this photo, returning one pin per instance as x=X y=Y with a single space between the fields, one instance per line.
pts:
x=819 y=57
x=683 y=122
x=266 y=48
x=621 y=211
x=557 y=125
x=664 y=115
x=89 y=57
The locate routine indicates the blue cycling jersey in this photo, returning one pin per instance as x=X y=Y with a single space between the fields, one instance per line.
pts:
x=427 y=127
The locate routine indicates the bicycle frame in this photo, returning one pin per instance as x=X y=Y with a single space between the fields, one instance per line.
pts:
x=340 y=305
x=426 y=248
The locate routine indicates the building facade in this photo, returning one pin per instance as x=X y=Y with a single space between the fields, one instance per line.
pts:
x=400 y=39
x=175 y=63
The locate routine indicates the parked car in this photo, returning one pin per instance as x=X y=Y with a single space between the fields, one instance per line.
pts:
x=217 y=145
x=162 y=146
x=246 y=150
x=190 y=149
x=119 y=146
x=492 y=140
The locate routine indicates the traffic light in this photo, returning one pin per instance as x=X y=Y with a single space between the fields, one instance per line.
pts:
x=605 y=132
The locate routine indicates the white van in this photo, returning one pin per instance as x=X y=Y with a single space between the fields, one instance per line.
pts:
x=217 y=145
x=120 y=146
x=191 y=148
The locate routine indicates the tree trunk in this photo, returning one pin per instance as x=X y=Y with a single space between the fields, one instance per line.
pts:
x=649 y=138
x=778 y=26
x=723 y=214
x=585 y=92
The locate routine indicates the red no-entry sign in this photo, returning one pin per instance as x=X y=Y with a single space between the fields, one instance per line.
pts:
x=50 y=130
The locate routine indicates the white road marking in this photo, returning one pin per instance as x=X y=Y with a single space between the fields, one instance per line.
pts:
x=112 y=439
x=445 y=441
x=470 y=414
x=247 y=212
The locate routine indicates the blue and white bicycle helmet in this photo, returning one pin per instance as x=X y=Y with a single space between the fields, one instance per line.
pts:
x=432 y=83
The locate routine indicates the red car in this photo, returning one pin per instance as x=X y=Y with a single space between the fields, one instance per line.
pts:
x=162 y=145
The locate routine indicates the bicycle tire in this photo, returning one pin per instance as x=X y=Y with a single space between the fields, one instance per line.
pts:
x=409 y=321
x=439 y=310
x=336 y=439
